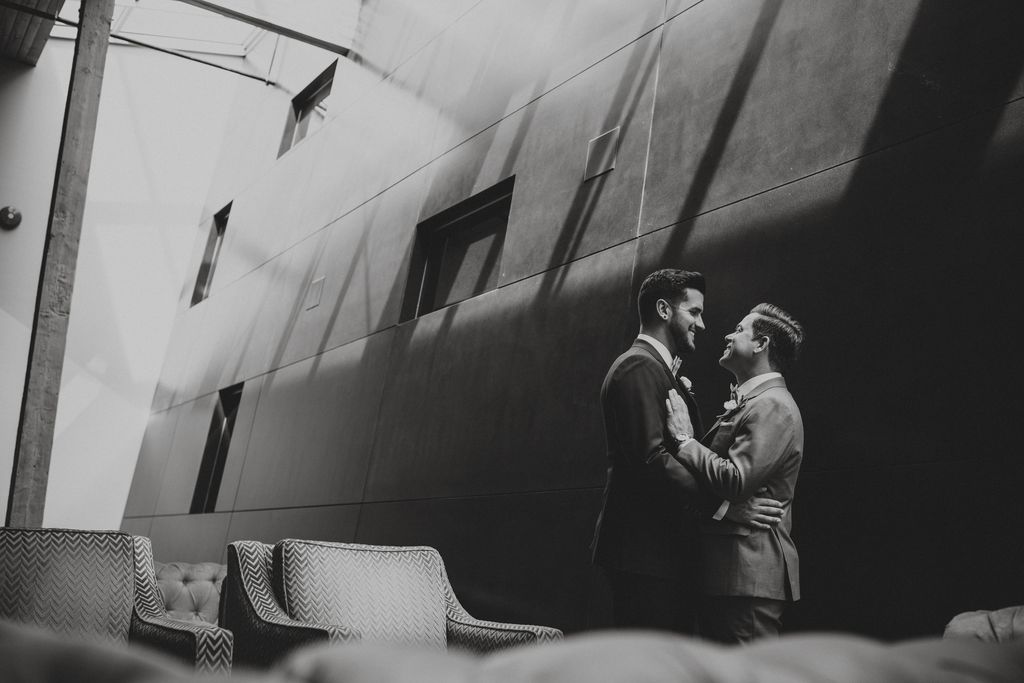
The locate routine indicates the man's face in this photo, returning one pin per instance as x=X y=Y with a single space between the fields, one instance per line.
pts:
x=685 y=318
x=740 y=345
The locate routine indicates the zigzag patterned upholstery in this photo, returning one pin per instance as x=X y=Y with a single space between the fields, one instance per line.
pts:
x=207 y=646
x=98 y=585
x=263 y=630
x=78 y=583
x=395 y=594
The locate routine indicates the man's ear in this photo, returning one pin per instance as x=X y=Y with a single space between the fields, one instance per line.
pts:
x=663 y=308
x=764 y=341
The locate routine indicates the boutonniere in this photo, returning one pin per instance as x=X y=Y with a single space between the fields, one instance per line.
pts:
x=686 y=382
x=732 y=405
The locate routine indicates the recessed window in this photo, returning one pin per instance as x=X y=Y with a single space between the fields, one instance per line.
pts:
x=215 y=454
x=210 y=255
x=458 y=252
x=308 y=110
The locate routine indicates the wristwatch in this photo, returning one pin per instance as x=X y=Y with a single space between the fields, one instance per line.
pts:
x=680 y=439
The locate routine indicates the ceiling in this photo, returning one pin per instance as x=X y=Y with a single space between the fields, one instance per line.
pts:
x=226 y=28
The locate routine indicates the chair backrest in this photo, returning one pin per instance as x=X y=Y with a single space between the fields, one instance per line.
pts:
x=75 y=582
x=386 y=593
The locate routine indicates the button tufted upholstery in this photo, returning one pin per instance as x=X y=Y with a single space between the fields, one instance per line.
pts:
x=191 y=591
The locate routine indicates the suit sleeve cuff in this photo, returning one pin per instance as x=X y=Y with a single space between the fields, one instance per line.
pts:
x=722 y=509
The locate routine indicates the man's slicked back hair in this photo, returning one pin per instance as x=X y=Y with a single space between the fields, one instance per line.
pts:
x=669 y=284
x=784 y=333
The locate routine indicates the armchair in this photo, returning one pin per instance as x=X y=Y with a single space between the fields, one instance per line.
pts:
x=347 y=592
x=98 y=585
x=248 y=607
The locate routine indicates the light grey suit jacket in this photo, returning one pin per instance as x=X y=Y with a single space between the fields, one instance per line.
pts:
x=759 y=443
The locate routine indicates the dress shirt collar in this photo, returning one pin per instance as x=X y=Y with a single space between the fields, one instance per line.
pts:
x=659 y=347
x=754 y=382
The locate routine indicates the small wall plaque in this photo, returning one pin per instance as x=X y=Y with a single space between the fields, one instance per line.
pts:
x=601 y=153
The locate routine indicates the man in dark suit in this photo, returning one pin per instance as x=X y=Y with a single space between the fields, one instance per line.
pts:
x=646 y=534
x=748 y=576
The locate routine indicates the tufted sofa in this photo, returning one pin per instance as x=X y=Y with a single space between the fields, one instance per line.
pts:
x=191 y=591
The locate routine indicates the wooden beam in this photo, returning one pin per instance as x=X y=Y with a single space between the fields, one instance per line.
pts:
x=56 y=280
x=270 y=26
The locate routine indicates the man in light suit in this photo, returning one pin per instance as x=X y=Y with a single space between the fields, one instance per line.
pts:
x=748 y=576
x=646 y=534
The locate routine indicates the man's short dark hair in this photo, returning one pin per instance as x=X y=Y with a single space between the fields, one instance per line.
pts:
x=669 y=284
x=785 y=335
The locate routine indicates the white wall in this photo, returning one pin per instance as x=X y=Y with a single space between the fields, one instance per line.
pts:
x=31 y=112
x=158 y=136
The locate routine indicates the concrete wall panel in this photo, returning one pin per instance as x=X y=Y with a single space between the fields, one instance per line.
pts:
x=152 y=460
x=314 y=428
x=190 y=538
x=328 y=523
x=179 y=475
x=265 y=217
x=479 y=394
x=750 y=96
x=363 y=261
x=369 y=147
x=137 y=526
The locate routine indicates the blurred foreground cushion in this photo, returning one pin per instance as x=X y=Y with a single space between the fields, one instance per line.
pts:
x=995 y=626
x=639 y=657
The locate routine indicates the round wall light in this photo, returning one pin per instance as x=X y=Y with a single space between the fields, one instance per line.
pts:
x=10 y=218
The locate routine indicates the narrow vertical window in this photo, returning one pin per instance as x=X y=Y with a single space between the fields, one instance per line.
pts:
x=308 y=110
x=210 y=255
x=457 y=254
x=215 y=454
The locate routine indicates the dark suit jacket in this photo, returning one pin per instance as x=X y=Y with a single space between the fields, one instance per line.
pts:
x=758 y=444
x=648 y=522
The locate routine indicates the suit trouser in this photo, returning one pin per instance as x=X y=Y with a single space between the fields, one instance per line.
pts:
x=653 y=602
x=740 y=619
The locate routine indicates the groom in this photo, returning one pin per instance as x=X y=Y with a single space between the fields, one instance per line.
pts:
x=748 y=577
x=646 y=535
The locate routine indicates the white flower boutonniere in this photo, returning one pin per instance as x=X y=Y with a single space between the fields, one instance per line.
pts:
x=685 y=381
x=732 y=405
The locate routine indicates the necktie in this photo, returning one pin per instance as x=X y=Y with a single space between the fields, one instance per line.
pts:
x=676 y=362
x=732 y=393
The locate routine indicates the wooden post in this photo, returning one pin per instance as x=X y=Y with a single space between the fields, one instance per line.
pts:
x=57 y=277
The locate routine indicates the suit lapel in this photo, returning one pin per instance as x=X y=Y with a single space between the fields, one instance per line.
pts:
x=691 y=404
x=774 y=383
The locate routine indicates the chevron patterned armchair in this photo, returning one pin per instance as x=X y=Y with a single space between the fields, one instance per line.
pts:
x=99 y=585
x=346 y=591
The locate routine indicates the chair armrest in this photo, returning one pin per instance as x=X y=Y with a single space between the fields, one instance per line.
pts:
x=263 y=630
x=467 y=632
x=487 y=636
x=207 y=646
